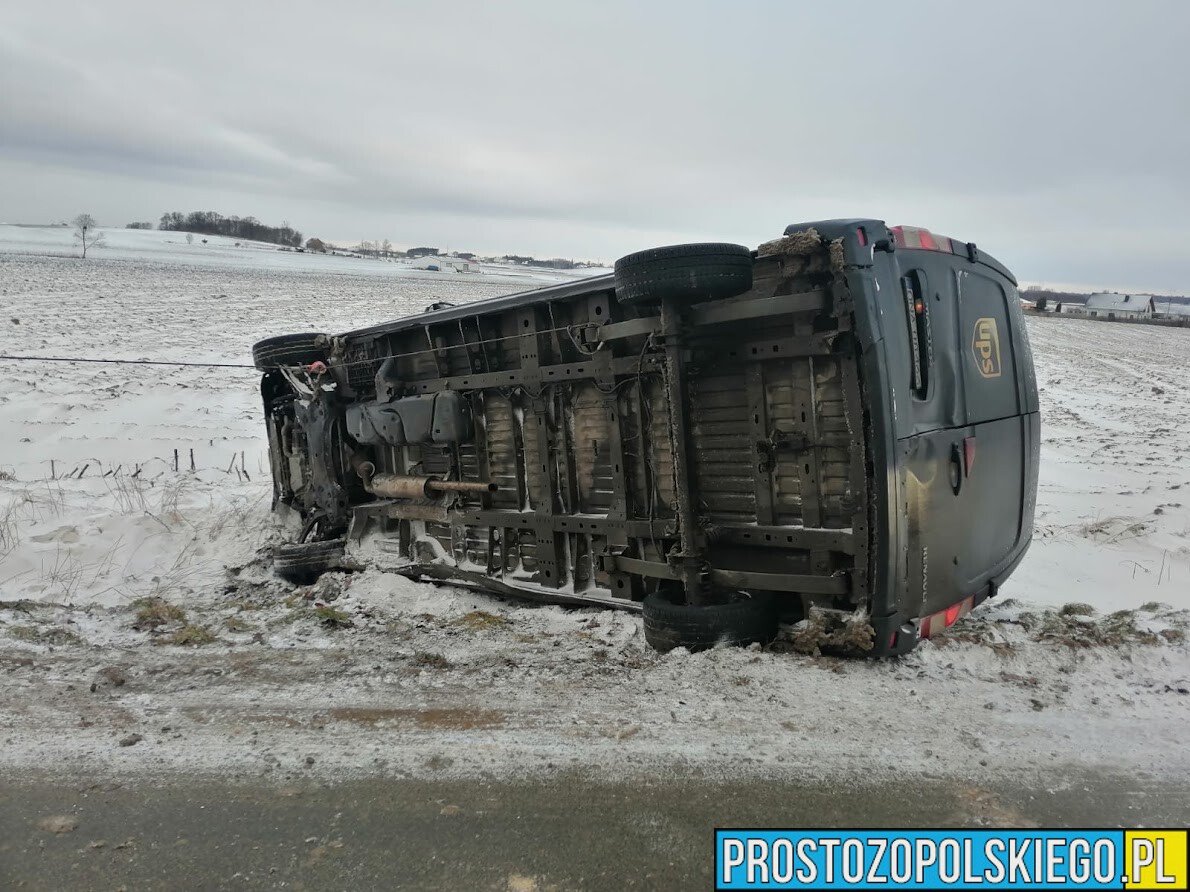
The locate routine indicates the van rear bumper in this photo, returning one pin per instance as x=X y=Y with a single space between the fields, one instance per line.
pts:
x=897 y=634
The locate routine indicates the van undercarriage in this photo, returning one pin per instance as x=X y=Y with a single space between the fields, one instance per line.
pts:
x=693 y=434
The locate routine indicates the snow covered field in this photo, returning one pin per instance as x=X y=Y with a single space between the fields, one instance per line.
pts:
x=221 y=252
x=369 y=673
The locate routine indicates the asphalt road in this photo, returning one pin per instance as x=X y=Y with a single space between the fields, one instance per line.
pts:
x=563 y=833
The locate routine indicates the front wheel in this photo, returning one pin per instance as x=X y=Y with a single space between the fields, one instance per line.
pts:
x=289 y=350
x=304 y=562
x=742 y=620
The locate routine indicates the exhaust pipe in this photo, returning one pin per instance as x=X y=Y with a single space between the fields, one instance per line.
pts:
x=396 y=486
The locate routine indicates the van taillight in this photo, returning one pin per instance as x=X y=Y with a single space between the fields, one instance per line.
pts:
x=923 y=239
x=919 y=334
x=952 y=614
x=861 y=236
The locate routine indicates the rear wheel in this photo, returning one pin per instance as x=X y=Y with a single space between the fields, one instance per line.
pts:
x=741 y=620
x=289 y=350
x=304 y=562
x=687 y=273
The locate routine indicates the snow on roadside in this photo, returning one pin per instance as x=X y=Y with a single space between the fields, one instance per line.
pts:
x=371 y=673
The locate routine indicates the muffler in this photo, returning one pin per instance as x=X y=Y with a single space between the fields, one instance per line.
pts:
x=397 y=486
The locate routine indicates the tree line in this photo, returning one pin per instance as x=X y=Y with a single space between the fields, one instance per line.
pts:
x=247 y=228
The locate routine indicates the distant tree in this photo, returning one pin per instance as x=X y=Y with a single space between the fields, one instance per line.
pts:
x=386 y=247
x=422 y=252
x=242 y=228
x=86 y=233
x=190 y=238
x=287 y=235
x=316 y=245
x=139 y=226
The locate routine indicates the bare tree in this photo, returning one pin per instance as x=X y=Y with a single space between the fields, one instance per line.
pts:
x=86 y=232
x=190 y=238
x=386 y=247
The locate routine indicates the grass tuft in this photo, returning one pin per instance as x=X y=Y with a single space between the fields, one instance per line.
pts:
x=332 y=618
x=54 y=635
x=189 y=635
x=431 y=661
x=155 y=611
x=479 y=621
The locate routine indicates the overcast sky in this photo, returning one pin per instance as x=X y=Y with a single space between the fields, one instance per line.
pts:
x=1054 y=134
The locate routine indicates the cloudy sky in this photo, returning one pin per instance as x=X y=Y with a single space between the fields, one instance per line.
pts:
x=1055 y=134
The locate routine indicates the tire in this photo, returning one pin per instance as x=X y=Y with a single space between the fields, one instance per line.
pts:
x=743 y=620
x=689 y=273
x=304 y=562
x=291 y=349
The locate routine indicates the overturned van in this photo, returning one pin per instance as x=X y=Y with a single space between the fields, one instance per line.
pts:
x=840 y=425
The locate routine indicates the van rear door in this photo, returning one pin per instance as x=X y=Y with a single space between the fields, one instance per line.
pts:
x=921 y=347
x=989 y=459
x=964 y=424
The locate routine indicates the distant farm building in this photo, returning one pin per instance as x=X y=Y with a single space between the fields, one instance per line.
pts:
x=1110 y=305
x=445 y=264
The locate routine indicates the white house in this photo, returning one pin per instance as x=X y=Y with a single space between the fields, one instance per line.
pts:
x=444 y=264
x=1110 y=305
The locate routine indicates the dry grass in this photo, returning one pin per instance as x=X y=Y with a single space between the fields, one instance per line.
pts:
x=54 y=635
x=10 y=530
x=1076 y=626
x=332 y=618
x=431 y=661
x=65 y=574
x=155 y=611
x=479 y=620
x=189 y=636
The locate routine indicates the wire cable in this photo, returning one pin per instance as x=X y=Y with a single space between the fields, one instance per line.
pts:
x=201 y=365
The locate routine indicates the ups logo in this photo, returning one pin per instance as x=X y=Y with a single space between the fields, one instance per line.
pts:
x=985 y=344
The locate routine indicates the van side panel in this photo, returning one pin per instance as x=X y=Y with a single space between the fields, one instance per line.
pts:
x=573 y=424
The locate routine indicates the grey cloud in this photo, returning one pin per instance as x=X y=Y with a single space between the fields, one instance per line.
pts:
x=592 y=129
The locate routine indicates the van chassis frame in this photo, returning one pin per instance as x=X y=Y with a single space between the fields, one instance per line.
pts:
x=685 y=538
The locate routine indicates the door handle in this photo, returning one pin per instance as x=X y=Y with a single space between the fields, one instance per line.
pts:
x=956 y=468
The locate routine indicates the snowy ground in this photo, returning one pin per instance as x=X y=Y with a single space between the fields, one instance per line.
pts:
x=367 y=674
